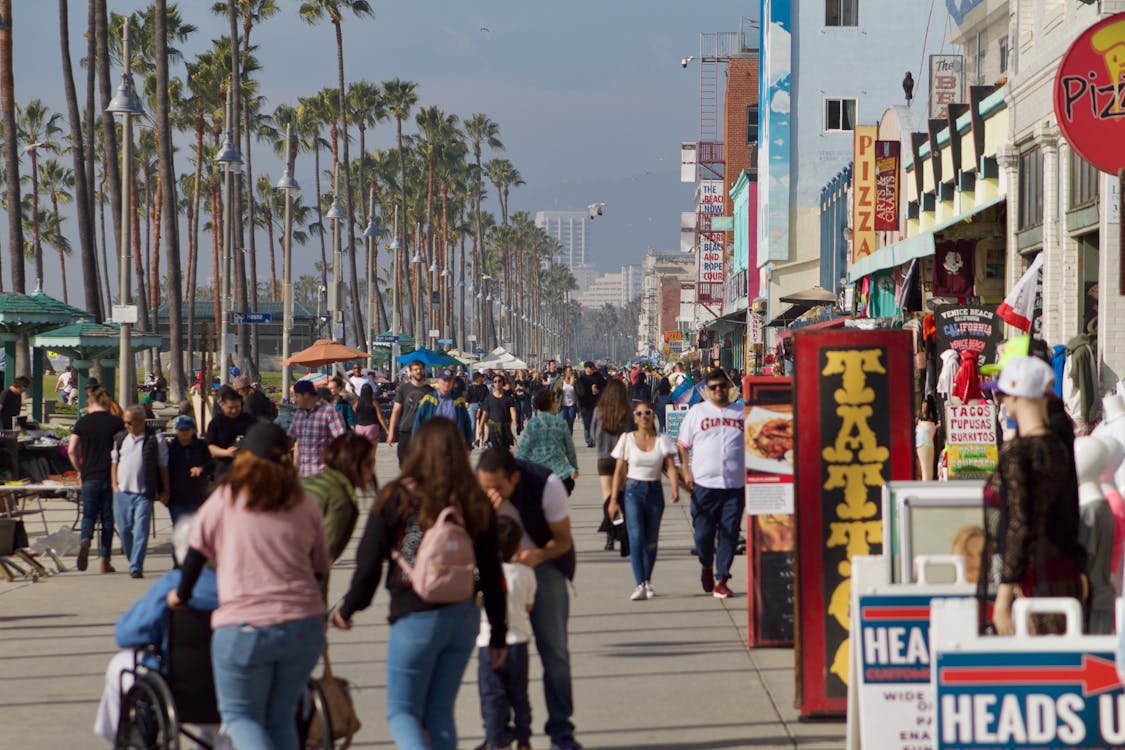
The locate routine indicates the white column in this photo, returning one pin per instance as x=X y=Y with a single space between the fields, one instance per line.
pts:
x=1047 y=137
x=1008 y=159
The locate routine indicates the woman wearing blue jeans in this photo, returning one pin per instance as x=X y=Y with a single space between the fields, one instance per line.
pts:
x=641 y=455
x=266 y=536
x=430 y=644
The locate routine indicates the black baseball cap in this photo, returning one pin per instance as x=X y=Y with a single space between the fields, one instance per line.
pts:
x=266 y=440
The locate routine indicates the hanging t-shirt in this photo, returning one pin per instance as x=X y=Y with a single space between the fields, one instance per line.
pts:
x=882 y=300
x=954 y=269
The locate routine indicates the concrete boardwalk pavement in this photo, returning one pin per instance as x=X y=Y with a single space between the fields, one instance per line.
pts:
x=671 y=673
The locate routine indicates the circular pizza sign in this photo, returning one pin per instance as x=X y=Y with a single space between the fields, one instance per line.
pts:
x=1090 y=94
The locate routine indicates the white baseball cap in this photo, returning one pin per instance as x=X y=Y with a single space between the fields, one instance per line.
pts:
x=1028 y=377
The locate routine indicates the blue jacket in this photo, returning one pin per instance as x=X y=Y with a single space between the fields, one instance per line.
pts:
x=143 y=623
x=427 y=410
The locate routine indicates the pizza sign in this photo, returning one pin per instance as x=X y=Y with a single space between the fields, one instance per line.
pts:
x=1090 y=94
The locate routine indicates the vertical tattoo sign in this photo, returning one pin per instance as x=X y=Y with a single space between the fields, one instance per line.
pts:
x=854 y=434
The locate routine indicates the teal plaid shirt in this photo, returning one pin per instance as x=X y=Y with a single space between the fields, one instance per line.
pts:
x=546 y=440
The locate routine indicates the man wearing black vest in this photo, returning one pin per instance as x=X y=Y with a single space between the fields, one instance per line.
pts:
x=139 y=476
x=537 y=498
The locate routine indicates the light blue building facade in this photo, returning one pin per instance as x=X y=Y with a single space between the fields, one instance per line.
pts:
x=827 y=66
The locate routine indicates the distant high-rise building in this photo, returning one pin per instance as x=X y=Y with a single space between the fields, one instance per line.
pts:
x=632 y=282
x=569 y=228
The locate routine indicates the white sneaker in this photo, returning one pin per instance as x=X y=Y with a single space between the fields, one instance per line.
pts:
x=640 y=594
x=650 y=592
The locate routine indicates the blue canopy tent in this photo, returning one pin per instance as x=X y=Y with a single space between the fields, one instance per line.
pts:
x=429 y=358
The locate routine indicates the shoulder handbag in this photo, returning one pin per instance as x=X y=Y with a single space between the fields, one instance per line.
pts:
x=343 y=722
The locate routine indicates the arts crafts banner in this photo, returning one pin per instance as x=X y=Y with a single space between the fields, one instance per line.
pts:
x=854 y=427
x=886 y=185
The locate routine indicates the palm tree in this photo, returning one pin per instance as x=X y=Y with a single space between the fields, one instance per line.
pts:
x=313 y=11
x=401 y=96
x=503 y=175
x=38 y=129
x=309 y=113
x=56 y=181
x=170 y=207
x=82 y=187
x=481 y=131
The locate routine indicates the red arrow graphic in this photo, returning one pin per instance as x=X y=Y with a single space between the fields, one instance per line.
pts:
x=1096 y=675
x=903 y=612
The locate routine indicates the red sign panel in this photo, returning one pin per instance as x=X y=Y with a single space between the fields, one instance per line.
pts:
x=1090 y=94
x=853 y=430
x=886 y=186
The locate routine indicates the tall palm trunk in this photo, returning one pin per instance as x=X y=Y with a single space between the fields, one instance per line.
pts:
x=109 y=130
x=37 y=247
x=249 y=195
x=320 y=213
x=268 y=214
x=104 y=260
x=11 y=149
x=357 y=311
x=62 y=255
x=91 y=125
x=217 y=236
x=404 y=254
x=249 y=365
x=194 y=211
x=82 y=182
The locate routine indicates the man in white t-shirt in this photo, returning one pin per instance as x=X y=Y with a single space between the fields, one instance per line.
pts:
x=357 y=379
x=715 y=472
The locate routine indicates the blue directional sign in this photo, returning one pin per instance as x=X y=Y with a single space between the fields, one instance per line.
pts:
x=386 y=339
x=252 y=318
x=445 y=342
x=1044 y=699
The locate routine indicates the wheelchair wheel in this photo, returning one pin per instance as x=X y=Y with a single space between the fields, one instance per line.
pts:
x=145 y=722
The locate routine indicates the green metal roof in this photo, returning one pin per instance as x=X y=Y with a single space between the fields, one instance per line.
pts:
x=28 y=313
x=90 y=335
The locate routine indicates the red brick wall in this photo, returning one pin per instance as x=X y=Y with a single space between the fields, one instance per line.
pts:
x=669 y=302
x=741 y=92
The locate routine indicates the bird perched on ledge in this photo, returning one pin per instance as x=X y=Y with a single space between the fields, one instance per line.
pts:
x=908 y=87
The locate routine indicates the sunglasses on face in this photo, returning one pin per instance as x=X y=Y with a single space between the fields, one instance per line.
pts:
x=643 y=413
x=717 y=386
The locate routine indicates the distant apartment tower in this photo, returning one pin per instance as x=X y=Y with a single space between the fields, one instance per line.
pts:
x=569 y=228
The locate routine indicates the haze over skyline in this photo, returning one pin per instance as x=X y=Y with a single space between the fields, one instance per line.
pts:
x=590 y=97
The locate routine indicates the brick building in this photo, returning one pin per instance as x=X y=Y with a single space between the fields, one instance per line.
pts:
x=740 y=122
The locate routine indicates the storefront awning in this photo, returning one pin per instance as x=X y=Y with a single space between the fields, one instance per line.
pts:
x=787 y=316
x=830 y=323
x=918 y=246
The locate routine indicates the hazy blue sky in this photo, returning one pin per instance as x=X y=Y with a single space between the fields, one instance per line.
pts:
x=589 y=94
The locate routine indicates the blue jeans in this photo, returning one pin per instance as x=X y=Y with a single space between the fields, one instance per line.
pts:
x=260 y=675
x=661 y=404
x=473 y=409
x=644 y=507
x=587 y=417
x=503 y=698
x=426 y=658
x=568 y=413
x=133 y=514
x=548 y=622
x=717 y=511
x=97 y=503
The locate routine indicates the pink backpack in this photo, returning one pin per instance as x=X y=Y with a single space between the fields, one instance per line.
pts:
x=445 y=563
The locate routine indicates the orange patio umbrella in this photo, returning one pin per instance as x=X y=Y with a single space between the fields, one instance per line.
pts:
x=325 y=352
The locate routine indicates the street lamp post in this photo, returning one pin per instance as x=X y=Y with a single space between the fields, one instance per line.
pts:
x=419 y=269
x=370 y=237
x=396 y=324
x=288 y=185
x=336 y=296
x=126 y=104
x=230 y=159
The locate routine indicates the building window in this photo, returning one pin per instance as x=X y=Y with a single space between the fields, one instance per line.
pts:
x=1083 y=181
x=752 y=125
x=839 y=115
x=1031 y=188
x=841 y=12
x=1003 y=44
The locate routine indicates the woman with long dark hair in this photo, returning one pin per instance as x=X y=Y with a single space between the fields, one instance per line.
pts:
x=612 y=418
x=429 y=644
x=349 y=467
x=368 y=417
x=266 y=537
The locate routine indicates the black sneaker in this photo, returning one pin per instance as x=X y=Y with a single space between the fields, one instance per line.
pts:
x=136 y=574
x=83 y=554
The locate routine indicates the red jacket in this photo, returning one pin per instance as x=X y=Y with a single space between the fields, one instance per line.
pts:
x=966 y=384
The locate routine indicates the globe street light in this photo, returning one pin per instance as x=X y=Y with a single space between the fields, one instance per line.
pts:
x=394 y=247
x=126 y=104
x=336 y=291
x=289 y=186
x=371 y=235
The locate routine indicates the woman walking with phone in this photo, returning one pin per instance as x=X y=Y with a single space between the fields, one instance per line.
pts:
x=641 y=455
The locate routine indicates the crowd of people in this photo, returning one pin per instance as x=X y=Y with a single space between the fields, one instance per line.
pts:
x=270 y=508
